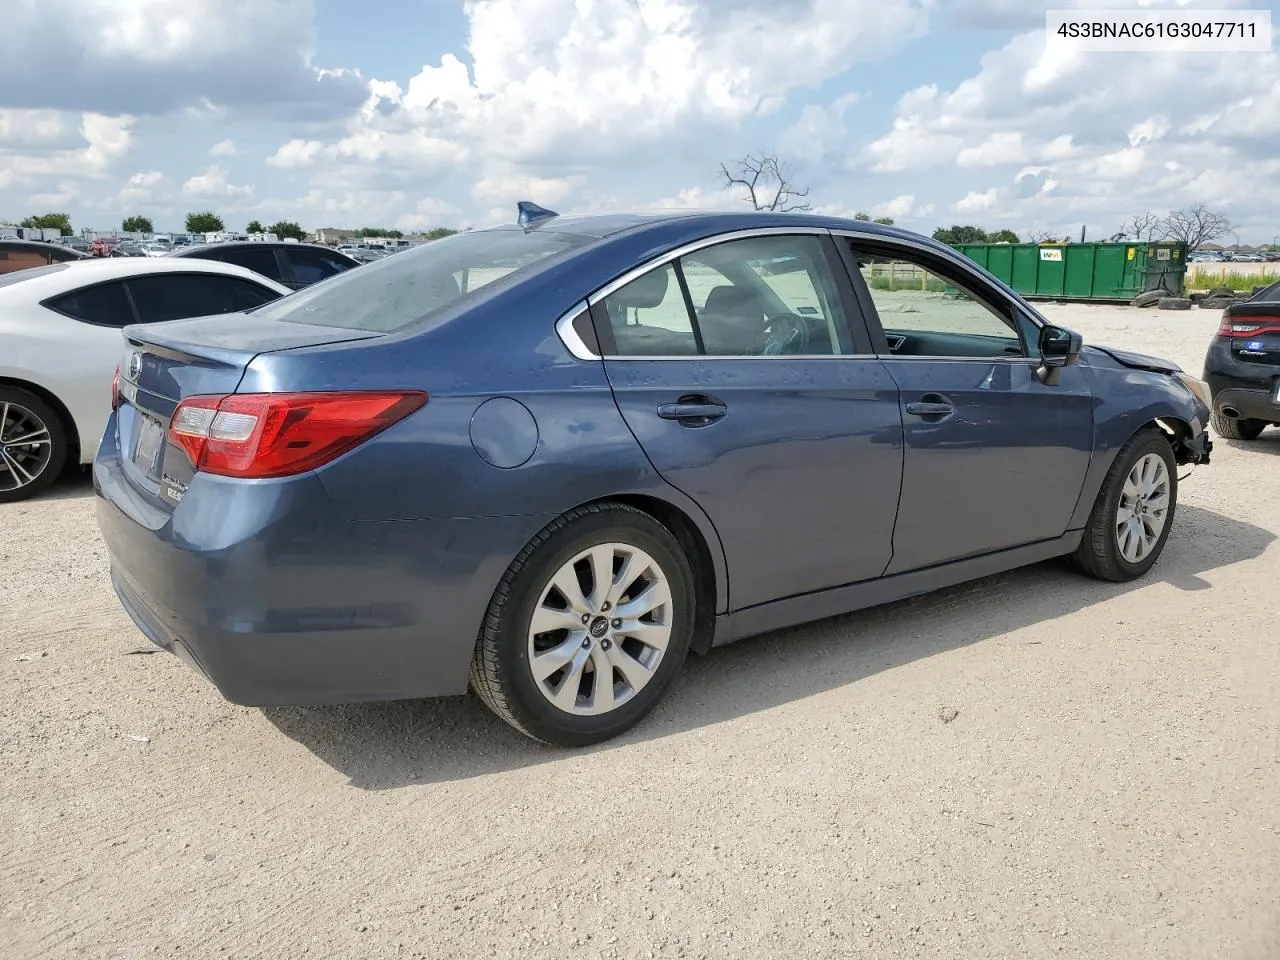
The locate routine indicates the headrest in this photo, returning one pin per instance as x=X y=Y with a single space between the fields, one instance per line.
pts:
x=645 y=292
x=736 y=301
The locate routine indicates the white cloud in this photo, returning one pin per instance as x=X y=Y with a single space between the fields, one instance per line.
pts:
x=1100 y=127
x=223 y=148
x=144 y=185
x=157 y=56
x=31 y=128
x=977 y=201
x=556 y=89
x=214 y=185
x=46 y=152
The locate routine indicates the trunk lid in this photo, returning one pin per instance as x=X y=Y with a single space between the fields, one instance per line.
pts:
x=164 y=363
x=1259 y=345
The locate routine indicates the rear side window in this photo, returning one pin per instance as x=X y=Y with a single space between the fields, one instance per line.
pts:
x=177 y=296
x=105 y=305
x=312 y=266
x=261 y=260
x=400 y=290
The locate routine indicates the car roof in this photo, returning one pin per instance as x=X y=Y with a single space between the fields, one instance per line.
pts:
x=44 y=281
x=611 y=224
x=13 y=243
x=190 y=252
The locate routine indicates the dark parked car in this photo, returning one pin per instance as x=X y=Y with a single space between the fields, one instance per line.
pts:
x=22 y=254
x=296 y=265
x=1242 y=366
x=598 y=443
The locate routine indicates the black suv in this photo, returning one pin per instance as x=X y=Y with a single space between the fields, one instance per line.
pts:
x=296 y=265
x=1242 y=366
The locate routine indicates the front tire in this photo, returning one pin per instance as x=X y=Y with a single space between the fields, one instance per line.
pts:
x=1238 y=428
x=33 y=445
x=588 y=628
x=1133 y=514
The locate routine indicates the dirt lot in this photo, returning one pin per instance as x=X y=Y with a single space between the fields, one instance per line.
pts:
x=1108 y=787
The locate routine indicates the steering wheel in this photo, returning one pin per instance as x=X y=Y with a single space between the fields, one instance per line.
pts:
x=785 y=333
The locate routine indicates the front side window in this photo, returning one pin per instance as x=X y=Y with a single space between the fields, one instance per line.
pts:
x=761 y=296
x=397 y=291
x=925 y=314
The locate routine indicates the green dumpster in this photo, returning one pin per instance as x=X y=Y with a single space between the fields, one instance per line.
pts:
x=1084 y=271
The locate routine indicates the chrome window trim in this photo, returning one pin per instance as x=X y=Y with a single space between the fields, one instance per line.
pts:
x=746 y=356
x=958 y=260
x=579 y=349
x=614 y=285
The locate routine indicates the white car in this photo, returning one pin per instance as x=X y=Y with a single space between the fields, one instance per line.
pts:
x=60 y=341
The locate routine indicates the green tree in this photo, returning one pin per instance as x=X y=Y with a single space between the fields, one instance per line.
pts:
x=395 y=234
x=204 y=221
x=887 y=221
x=958 y=234
x=255 y=226
x=50 y=221
x=439 y=233
x=374 y=233
x=1003 y=236
x=287 y=229
x=137 y=224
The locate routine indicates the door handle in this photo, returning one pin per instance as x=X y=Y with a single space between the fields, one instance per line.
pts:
x=931 y=405
x=693 y=411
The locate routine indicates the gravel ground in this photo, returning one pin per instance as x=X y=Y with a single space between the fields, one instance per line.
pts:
x=1032 y=765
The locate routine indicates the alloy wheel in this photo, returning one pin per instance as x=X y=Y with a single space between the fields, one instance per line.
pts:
x=600 y=629
x=1143 y=509
x=25 y=447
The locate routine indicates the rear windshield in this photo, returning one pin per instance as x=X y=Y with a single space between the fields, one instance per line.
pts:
x=410 y=286
x=1269 y=294
x=29 y=272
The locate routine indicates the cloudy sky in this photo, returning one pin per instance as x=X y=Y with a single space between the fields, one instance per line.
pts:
x=420 y=113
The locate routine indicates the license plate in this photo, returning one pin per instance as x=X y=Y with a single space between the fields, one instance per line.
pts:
x=150 y=438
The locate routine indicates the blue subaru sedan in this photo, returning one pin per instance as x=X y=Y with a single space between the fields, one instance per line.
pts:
x=546 y=461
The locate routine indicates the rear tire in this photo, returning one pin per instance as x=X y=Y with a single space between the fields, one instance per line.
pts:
x=1133 y=514
x=545 y=684
x=29 y=467
x=1238 y=428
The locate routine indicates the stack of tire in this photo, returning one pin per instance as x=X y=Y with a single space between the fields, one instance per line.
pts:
x=1161 y=300
x=1217 y=299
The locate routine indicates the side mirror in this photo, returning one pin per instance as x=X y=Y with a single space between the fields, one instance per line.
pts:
x=1059 y=347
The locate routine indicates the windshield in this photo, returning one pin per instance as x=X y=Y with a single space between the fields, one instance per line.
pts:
x=393 y=292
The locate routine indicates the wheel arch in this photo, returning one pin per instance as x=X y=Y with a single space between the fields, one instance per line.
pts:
x=60 y=408
x=708 y=562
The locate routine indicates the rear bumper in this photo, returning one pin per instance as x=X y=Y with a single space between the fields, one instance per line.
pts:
x=1247 y=389
x=278 y=600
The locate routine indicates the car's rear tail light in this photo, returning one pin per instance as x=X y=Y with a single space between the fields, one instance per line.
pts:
x=1247 y=326
x=115 y=389
x=279 y=434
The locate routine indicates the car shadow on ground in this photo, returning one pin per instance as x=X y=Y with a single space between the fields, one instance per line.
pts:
x=383 y=746
x=75 y=482
x=1267 y=442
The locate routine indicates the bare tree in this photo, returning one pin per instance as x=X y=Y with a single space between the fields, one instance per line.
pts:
x=767 y=183
x=1042 y=236
x=1195 y=225
x=1141 y=226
